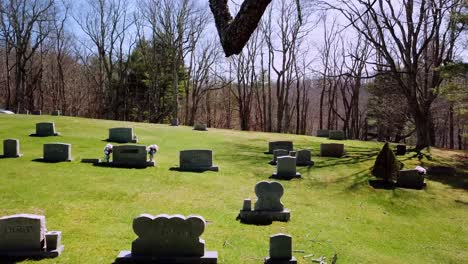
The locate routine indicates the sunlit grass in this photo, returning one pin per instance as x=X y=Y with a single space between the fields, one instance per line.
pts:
x=333 y=208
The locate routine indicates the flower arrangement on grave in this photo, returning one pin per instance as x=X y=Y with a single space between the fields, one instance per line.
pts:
x=152 y=149
x=108 y=151
x=420 y=170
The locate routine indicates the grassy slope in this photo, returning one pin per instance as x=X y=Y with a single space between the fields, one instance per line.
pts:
x=333 y=207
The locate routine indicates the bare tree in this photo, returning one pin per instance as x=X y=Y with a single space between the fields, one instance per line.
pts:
x=24 y=25
x=414 y=39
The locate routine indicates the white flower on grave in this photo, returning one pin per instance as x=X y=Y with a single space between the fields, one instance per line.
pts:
x=108 y=149
x=420 y=170
x=152 y=149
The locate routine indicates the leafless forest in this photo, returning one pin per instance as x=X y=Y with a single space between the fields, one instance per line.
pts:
x=387 y=70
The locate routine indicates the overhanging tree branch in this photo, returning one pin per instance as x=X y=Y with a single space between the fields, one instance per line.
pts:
x=235 y=32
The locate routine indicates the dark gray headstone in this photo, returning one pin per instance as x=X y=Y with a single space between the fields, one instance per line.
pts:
x=129 y=156
x=332 y=150
x=22 y=232
x=322 y=133
x=267 y=208
x=269 y=196
x=400 y=150
x=410 y=179
x=11 y=148
x=46 y=129
x=304 y=158
x=122 y=135
x=274 y=145
x=200 y=127
x=286 y=168
x=57 y=152
x=336 y=135
x=174 y=122
x=36 y=112
x=278 y=153
x=196 y=160
x=166 y=235
x=168 y=239
x=56 y=113
x=280 y=249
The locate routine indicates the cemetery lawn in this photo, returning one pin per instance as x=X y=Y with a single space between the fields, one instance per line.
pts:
x=333 y=208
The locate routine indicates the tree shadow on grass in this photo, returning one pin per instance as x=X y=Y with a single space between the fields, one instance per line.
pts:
x=352 y=157
x=458 y=181
x=14 y=260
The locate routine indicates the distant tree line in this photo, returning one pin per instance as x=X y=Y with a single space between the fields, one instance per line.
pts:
x=390 y=74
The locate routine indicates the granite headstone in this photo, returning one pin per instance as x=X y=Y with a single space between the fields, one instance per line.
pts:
x=332 y=150
x=286 y=145
x=286 y=168
x=280 y=250
x=11 y=148
x=268 y=207
x=122 y=135
x=410 y=179
x=196 y=160
x=168 y=239
x=57 y=152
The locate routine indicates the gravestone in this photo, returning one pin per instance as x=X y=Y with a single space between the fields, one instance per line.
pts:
x=36 y=112
x=332 y=150
x=268 y=207
x=286 y=168
x=200 y=127
x=46 y=129
x=280 y=250
x=400 y=150
x=196 y=160
x=273 y=145
x=168 y=239
x=25 y=235
x=322 y=133
x=11 y=148
x=336 y=135
x=175 y=122
x=56 y=113
x=131 y=156
x=57 y=152
x=441 y=171
x=410 y=179
x=278 y=153
x=122 y=135
x=304 y=158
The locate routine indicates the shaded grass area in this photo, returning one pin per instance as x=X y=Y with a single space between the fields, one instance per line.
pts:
x=333 y=208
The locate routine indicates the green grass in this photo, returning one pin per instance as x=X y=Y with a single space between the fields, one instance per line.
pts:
x=333 y=208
